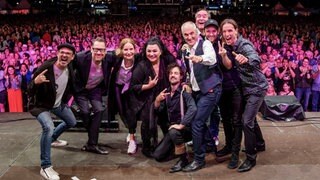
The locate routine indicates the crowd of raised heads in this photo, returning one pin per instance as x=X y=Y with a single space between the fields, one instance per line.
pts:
x=288 y=47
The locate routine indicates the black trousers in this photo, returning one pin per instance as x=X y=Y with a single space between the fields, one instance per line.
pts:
x=231 y=108
x=121 y=103
x=252 y=132
x=166 y=146
x=92 y=123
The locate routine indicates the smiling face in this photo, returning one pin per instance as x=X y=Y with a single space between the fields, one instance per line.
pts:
x=128 y=51
x=229 y=33
x=211 y=33
x=286 y=87
x=98 y=51
x=153 y=53
x=65 y=56
x=175 y=76
x=190 y=33
x=201 y=17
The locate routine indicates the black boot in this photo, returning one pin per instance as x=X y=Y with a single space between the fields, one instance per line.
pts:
x=247 y=165
x=183 y=162
x=224 y=151
x=234 y=162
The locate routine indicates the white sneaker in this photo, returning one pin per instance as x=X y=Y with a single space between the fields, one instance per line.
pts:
x=59 y=143
x=132 y=147
x=49 y=174
x=128 y=138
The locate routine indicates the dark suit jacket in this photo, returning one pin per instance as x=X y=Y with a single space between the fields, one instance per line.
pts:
x=43 y=96
x=111 y=95
x=82 y=64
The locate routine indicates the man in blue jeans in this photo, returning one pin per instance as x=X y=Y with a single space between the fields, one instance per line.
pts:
x=205 y=80
x=49 y=92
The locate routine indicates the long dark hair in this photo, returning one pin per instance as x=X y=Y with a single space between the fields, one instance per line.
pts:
x=165 y=53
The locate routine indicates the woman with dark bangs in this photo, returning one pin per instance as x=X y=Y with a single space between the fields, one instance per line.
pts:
x=149 y=78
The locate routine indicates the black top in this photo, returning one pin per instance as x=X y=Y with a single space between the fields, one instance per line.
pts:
x=173 y=108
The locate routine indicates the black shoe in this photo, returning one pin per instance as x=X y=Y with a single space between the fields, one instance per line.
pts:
x=223 y=152
x=179 y=166
x=234 y=162
x=258 y=149
x=261 y=148
x=247 y=165
x=193 y=166
x=94 y=149
x=147 y=153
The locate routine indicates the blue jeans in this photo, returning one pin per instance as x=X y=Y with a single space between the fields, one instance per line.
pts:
x=303 y=95
x=50 y=134
x=206 y=103
x=215 y=118
x=315 y=100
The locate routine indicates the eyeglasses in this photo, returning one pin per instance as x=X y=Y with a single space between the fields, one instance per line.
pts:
x=102 y=50
x=65 y=53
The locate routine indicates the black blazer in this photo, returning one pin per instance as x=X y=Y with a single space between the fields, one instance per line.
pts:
x=114 y=73
x=82 y=64
x=43 y=96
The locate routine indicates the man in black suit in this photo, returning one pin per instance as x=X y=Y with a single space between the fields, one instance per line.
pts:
x=92 y=72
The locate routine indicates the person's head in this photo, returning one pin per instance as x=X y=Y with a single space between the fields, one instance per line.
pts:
x=190 y=33
x=24 y=47
x=285 y=62
x=26 y=55
x=175 y=73
x=126 y=49
x=201 y=16
x=270 y=89
x=38 y=62
x=65 y=55
x=268 y=72
x=11 y=70
x=98 y=49
x=305 y=62
x=24 y=67
x=153 y=49
x=211 y=30
x=229 y=29
x=286 y=87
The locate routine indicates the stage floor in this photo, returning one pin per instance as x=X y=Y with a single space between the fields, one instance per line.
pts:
x=292 y=152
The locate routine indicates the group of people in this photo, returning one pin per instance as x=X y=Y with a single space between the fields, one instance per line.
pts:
x=27 y=41
x=217 y=77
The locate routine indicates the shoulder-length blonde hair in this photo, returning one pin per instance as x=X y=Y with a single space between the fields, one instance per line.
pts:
x=121 y=45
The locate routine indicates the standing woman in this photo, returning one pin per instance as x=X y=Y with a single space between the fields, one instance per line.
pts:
x=26 y=77
x=119 y=85
x=254 y=86
x=13 y=84
x=3 y=90
x=149 y=78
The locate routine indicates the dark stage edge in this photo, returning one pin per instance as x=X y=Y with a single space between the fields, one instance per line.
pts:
x=293 y=153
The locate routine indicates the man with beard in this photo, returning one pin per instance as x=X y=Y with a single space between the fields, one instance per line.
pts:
x=180 y=109
x=92 y=72
x=49 y=92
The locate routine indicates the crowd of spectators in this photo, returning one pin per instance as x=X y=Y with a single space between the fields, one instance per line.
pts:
x=289 y=48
